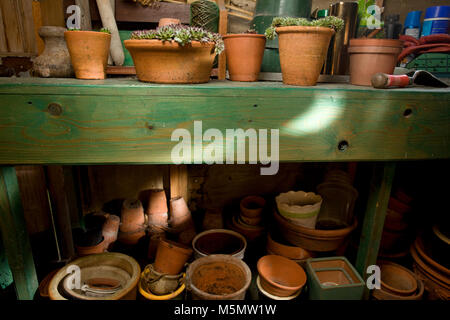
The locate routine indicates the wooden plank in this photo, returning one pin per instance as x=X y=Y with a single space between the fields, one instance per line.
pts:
x=13 y=25
x=26 y=17
x=129 y=11
x=372 y=229
x=15 y=236
x=179 y=182
x=3 y=42
x=37 y=19
x=223 y=30
x=53 y=13
x=33 y=189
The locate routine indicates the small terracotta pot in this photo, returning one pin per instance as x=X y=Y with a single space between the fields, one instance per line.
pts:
x=99 y=248
x=168 y=21
x=180 y=216
x=303 y=51
x=89 y=52
x=252 y=206
x=219 y=241
x=111 y=228
x=244 y=54
x=171 y=257
x=157 y=208
x=370 y=56
x=168 y=62
x=251 y=233
x=156 y=235
x=132 y=216
x=280 y=276
x=397 y=280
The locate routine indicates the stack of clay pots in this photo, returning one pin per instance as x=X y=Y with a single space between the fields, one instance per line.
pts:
x=280 y=278
x=165 y=275
x=133 y=226
x=398 y=283
x=430 y=267
x=249 y=221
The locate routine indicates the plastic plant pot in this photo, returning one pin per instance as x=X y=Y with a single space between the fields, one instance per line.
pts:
x=333 y=278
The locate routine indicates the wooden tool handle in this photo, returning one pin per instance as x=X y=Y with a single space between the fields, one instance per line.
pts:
x=384 y=81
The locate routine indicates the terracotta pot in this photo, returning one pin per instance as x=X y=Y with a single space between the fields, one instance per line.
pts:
x=432 y=274
x=218 y=277
x=99 y=248
x=111 y=228
x=43 y=285
x=395 y=221
x=171 y=257
x=271 y=296
x=252 y=206
x=89 y=52
x=396 y=279
x=157 y=208
x=54 y=62
x=371 y=56
x=380 y=294
x=420 y=248
x=251 y=233
x=168 y=62
x=115 y=267
x=180 y=216
x=290 y=252
x=280 y=276
x=168 y=21
x=256 y=221
x=435 y=290
x=244 y=54
x=132 y=216
x=398 y=206
x=313 y=239
x=156 y=234
x=303 y=51
x=219 y=241
x=213 y=219
x=131 y=238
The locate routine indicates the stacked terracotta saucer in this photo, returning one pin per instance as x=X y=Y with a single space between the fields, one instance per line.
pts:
x=249 y=221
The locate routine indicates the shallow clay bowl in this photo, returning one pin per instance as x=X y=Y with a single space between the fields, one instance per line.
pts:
x=280 y=276
x=381 y=294
x=397 y=279
x=288 y=251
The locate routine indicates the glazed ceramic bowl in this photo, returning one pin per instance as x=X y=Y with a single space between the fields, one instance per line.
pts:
x=280 y=276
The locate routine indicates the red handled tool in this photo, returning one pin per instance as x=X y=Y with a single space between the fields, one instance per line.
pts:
x=419 y=77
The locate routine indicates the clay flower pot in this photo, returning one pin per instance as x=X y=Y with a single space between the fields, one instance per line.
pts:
x=252 y=206
x=111 y=228
x=89 y=52
x=171 y=257
x=157 y=208
x=168 y=62
x=131 y=238
x=384 y=295
x=396 y=279
x=244 y=54
x=168 y=21
x=156 y=234
x=370 y=56
x=251 y=233
x=288 y=251
x=219 y=241
x=132 y=216
x=98 y=248
x=218 y=277
x=54 y=62
x=280 y=276
x=303 y=50
x=180 y=216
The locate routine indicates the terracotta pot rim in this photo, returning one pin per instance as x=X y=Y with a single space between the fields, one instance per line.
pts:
x=304 y=29
x=101 y=34
x=374 y=50
x=376 y=43
x=176 y=246
x=138 y=43
x=234 y=233
x=285 y=261
x=400 y=269
x=385 y=295
x=244 y=35
x=419 y=247
x=432 y=273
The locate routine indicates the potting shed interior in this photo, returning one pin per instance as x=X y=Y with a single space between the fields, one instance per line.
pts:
x=88 y=176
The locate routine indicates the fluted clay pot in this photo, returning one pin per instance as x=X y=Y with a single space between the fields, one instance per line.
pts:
x=54 y=62
x=171 y=257
x=89 y=52
x=280 y=276
x=157 y=208
x=180 y=216
x=132 y=216
x=110 y=228
x=168 y=62
x=168 y=21
x=244 y=54
x=252 y=206
x=303 y=50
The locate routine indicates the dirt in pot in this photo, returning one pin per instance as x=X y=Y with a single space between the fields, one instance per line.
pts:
x=219 y=243
x=219 y=278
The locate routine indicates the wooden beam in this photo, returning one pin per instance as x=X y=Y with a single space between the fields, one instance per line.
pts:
x=52 y=13
x=223 y=29
x=15 y=236
x=379 y=194
x=13 y=25
x=25 y=8
x=179 y=181
x=129 y=11
x=37 y=19
x=3 y=42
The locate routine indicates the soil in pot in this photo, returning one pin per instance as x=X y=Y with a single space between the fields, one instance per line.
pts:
x=171 y=257
x=219 y=242
x=244 y=54
x=89 y=52
x=303 y=50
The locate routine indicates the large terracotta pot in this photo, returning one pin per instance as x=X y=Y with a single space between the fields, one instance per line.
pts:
x=171 y=257
x=244 y=54
x=132 y=216
x=303 y=51
x=168 y=62
x=370 y=56
x=180 y=215
x=157 y=208
x=89 y=52
x=54 y=62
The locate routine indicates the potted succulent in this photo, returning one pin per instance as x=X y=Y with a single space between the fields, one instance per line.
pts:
x=244 y=52
x=303 y=46
x=174 y=54
x=89 y=52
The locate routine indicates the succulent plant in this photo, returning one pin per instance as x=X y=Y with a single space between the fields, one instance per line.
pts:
x=105 y=30
x=331 y=22
x=181 y=34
